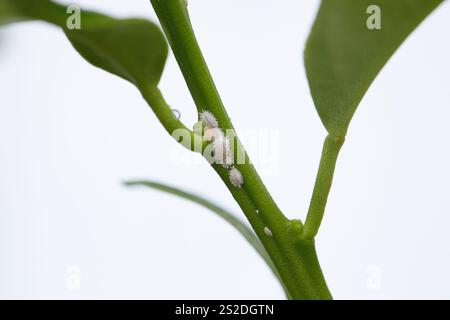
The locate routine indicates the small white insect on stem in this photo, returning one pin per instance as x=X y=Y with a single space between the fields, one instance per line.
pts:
x=268 y=232
x=213 y=134
x=208 y=119
x=236 y=178
x=222 y=151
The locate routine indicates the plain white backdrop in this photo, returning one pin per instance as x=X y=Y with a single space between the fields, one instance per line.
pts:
x=71 y=133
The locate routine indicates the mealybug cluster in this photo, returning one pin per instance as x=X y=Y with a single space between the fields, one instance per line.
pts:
x=222 y=146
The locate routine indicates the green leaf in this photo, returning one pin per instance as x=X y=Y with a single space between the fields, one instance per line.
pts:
x=9 y=12
x=343 y=57
x=241 y=227
x=133 y=49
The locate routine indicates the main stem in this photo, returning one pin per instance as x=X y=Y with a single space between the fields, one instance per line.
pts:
x=294 y=257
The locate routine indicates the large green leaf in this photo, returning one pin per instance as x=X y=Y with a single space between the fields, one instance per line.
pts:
x=134 y=49
x=241 y=227
x=343 y=57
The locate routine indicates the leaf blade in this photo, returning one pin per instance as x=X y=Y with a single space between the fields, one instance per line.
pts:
x=241 y=227
x=245 y=231
x=133 y=49
x=343 y=57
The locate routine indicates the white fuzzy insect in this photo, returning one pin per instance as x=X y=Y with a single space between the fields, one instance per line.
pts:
x=213 y=134
x=268 y=232
x=186 y=3
x=208 y=119
x=236 y=178
x=222 y=151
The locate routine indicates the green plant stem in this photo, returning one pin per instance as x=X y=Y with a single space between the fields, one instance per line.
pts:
x=165 y=115
x=324 y=179
x=294 y=257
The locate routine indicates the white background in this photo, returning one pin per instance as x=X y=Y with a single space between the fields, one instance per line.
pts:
x=70 y=133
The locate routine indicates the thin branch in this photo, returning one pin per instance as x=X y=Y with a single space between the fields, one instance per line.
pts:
x=170 y=122
x=324 y=179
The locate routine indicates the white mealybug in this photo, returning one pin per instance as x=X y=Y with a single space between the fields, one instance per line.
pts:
x=267 y=231
x=228 y=156
x=213 y=134
x=236 y=178
x=208 y=119
x=186 y=3
x=257 y=211
x=222 y=151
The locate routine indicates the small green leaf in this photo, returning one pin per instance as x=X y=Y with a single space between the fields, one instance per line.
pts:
x=133 y=49
x=343 y=56
x=241 y=227
x=9 y=12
